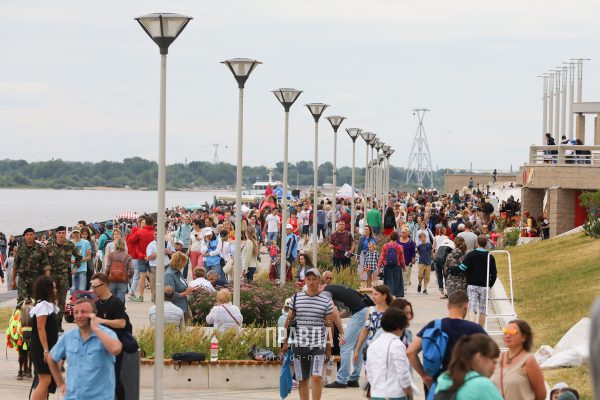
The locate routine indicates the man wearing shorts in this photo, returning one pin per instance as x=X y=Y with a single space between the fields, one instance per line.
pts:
x=475 y=267
x=312 y=311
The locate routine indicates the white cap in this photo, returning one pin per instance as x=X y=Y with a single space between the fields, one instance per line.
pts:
x=289 y=226
x=206 y=231
x=560 y=385
x=461 y=227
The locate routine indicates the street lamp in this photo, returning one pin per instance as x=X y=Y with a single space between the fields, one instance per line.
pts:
x=367 y=137
x=335 y=121
x=163 y=29
x=353 y=133
x=372 y=170
x=316 y=110
x=386 y=189
x=286 y=97
x=388 y=154
x=241 y=68
x=378 y=191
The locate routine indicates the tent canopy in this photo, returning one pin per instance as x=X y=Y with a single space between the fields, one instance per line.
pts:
x=345 y=192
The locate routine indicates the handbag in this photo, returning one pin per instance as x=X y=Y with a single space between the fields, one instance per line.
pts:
x=228 y=267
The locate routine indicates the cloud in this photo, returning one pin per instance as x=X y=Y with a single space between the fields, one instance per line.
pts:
x=14 y=94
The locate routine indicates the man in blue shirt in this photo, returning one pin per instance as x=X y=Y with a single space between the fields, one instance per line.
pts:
x=90 y=354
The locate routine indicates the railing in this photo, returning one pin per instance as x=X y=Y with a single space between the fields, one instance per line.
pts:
x=564 y=155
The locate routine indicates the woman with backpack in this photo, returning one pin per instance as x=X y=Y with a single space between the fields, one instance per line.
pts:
x=211 y=252
x=389 y=221
x=382 y=297
x=119 y=267
x=392 y=261
x=472 y=363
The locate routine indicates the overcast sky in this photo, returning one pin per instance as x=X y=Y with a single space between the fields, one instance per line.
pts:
x=80 y=79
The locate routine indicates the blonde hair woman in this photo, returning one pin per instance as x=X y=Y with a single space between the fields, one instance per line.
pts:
x=174 y=278
x=224 y=315
x=119 y=257
x=249 y=255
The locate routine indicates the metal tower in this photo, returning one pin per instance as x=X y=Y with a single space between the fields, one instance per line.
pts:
x=419 y=162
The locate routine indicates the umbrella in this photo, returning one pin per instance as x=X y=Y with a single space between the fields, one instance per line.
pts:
x=194 y=206
x=285 y=376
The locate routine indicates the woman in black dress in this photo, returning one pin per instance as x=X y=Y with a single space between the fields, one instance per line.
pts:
x=44 y=335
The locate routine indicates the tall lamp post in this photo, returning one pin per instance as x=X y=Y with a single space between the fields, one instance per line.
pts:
x=241 y=68
x=286 y=97
x=388 y=154
x=367 y=137
x=379 y=172
x=372 y=170
x=335 y=121
x=386 y=189
x=353 y=133
x=316 y=110
x=163 y=29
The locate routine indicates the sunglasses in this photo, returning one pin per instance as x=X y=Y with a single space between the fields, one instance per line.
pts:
x=511 y=332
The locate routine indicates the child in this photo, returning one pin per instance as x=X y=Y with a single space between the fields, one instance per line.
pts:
x=18 y=336
x=425 y=252
x=371 y=257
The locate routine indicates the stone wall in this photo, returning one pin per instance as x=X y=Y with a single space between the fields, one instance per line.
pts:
x=580 y=177
x=561 y=210
x=532 y=200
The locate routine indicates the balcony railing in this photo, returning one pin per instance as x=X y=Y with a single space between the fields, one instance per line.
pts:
x=564 y=155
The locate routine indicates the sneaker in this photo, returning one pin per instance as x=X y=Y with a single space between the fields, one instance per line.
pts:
x=419 y=289
x=20 y=376
x=336 y=385
x=28 y=374
x=353 y=384
x=425 y=291
x=136 y=299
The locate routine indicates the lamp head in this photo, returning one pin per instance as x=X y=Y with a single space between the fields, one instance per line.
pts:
x=386 y=148
x=287 y=96
x=316 y=110
x=241 y=69
x=367 y=136
x=163 y=28
x=335 y=121
x=379 y=145
x=353 y=133
x=374 y=142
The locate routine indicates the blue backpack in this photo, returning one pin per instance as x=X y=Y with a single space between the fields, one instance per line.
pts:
x=391 y=256
x=435 y=342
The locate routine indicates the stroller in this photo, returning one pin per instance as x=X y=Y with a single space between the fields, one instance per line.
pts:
x=78 y=294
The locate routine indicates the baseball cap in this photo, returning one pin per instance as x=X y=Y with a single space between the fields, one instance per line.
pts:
x=287 y=303
x=560 y=385
x=207 y=231
x=313 y=271
x=109 y=225
x=180 y=242
x=289 y=226
x=461 y=227
x=76 y=229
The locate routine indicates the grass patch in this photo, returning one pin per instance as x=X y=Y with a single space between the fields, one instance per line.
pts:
x=555 y=283
x=5 y=314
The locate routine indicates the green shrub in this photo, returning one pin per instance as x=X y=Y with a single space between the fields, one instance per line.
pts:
x=511 y=237
x=592 y=227
x=231 y=345
x=261 y=303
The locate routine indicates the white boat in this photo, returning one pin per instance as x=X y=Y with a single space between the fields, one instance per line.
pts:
x=259 y=187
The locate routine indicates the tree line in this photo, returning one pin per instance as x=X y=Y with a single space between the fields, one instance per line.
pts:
x=138 y=173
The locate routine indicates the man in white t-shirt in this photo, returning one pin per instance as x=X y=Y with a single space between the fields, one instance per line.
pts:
x=272 y=222
x=172 y=315
x=304 y=221
x=469 y=237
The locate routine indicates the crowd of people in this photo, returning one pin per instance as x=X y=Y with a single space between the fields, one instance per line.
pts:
x=449 y=235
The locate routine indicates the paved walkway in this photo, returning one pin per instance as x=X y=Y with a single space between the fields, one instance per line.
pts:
x=426 y=308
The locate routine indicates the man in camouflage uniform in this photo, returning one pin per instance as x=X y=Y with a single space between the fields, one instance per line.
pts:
x=30 y=262
x=60 y=252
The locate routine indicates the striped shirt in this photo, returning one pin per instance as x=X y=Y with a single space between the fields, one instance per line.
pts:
x=310 y=312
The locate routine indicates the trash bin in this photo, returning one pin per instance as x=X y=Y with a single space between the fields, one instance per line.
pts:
x=130 y=375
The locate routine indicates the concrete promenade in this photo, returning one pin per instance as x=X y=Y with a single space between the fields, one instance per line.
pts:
x=426 y=308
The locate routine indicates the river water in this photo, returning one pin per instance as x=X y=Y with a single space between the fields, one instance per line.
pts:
x=49 y=208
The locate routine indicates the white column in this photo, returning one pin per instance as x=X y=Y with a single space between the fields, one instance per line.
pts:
x=571 y=99
x=284 y=207
x=315 y=196
x=160 y=233
x=550 y=106
x=545 y=109
x=557 y=107
x=237 y=264
x=563 y=117
x=334 y=178
x=352 y=212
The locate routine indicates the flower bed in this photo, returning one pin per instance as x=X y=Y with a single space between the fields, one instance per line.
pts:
x=261 y=303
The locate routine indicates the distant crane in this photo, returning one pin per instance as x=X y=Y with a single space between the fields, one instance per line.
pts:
x=215 y=159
